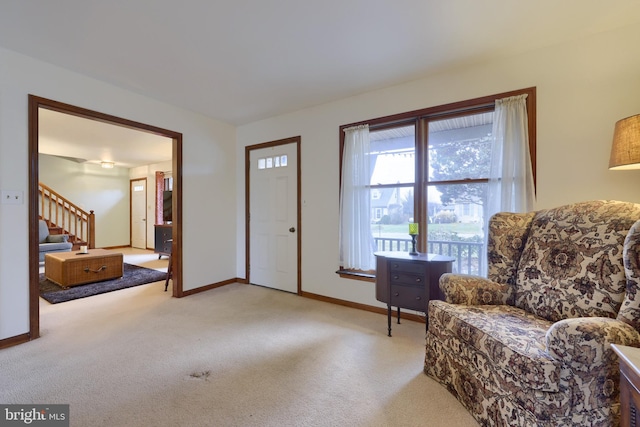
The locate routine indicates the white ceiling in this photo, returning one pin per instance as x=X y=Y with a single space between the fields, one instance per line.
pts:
x=241 y=60
x=89 y=141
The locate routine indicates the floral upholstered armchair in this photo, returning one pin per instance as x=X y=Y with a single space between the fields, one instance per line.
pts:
x=530 y=344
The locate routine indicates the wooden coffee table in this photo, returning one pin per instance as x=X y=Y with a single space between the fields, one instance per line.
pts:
x=76 y=268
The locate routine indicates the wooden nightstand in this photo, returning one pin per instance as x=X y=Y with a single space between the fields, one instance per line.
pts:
x=409 y=281
x=629 y=384
x=163 y=239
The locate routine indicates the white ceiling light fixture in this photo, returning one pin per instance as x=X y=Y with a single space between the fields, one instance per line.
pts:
x=107 y=165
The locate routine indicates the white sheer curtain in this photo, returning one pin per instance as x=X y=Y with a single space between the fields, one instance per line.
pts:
x=356 y=241
x=511 y=187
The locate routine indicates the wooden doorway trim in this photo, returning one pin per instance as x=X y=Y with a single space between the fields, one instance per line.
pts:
x=35 y=103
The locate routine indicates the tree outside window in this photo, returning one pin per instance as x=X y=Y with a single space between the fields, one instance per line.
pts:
x=459 y=159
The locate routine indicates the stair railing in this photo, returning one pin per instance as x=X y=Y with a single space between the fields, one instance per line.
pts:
x=58 y=211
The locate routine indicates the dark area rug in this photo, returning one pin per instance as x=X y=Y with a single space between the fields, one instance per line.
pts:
x=133 y=276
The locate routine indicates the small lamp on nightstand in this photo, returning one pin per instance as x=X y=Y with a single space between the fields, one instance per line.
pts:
x=625 y=150
x=413 y=232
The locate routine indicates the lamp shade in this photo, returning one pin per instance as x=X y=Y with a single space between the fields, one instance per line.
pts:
x=625 y=150
x=413 y=228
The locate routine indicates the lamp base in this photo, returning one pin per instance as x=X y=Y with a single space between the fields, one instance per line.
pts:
x=413 y=245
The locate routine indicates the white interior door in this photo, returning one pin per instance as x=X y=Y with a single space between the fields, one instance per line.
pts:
x=139 y=213
x=273 y=217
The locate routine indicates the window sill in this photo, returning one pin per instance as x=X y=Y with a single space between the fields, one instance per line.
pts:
x=354 y=275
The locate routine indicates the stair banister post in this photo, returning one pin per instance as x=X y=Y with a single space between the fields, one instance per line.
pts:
x=92 y=230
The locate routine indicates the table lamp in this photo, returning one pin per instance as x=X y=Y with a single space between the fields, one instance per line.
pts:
x=413 y=232
x=625 y=149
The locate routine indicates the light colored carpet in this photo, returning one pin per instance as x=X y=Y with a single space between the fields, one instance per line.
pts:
x=239 y=355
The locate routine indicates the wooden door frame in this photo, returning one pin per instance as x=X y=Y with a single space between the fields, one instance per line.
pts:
x=247 y=192
x=35 y=103
x=146 y=217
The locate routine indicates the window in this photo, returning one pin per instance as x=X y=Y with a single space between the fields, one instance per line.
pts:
x=168 y=182
x=459 y=158
x=392 y=184
x=434 y=167
x=279 y=161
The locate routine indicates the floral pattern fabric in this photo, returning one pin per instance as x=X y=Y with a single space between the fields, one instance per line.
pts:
x=507 y=236
x=530 y=345
x=474 y=290
x=572 y=264
x=512 y=340
x=630 y=310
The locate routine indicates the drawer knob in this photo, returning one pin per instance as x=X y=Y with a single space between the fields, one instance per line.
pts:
x=418 y=298
x=396 y=294
x=396 y=277
x=395 y=265
x=418 y=280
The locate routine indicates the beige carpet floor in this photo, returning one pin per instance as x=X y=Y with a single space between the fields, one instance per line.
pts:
x=239 y=355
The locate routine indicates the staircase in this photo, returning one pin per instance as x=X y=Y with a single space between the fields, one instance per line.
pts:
x=64 y=217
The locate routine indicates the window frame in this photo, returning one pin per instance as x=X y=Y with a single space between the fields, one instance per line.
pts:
x=420 y=119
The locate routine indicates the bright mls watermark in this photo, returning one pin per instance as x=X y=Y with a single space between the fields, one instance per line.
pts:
x=34 y=415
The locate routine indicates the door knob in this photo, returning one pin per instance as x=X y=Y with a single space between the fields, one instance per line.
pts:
x=292 y=230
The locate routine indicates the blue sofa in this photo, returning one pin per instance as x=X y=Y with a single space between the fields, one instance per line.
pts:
x=52 y=242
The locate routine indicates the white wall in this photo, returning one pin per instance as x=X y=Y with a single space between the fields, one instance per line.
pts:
x=105 y=191
x=583 y=88
x=208 y=175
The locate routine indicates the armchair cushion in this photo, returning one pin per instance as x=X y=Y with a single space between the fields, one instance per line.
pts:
x=513 y=341
x=43 y=231
x=571 y=265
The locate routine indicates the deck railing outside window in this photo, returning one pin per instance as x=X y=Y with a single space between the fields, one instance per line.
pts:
x=467 y=254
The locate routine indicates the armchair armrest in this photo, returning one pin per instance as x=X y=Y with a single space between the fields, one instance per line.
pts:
x=474 y=290
x=584 y=342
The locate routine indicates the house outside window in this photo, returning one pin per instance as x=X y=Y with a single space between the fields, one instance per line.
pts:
x=393 y=163
x=432 y=167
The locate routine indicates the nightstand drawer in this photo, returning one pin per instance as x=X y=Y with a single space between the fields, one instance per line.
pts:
x=406 y=267
x=163 y=239
x=398 y=278
x=409 y=297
